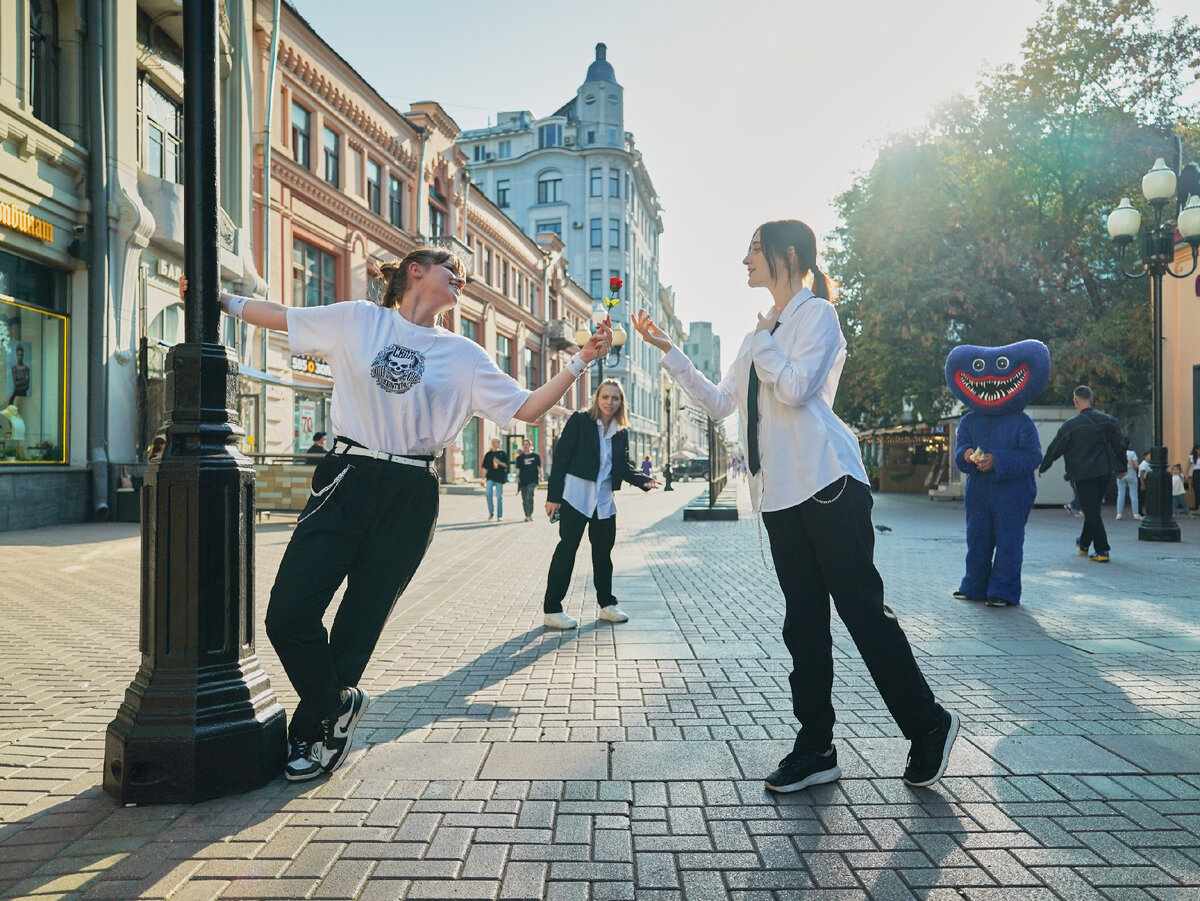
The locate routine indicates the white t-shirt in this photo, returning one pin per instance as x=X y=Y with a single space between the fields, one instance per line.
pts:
x=1131 y=463
x=401 y=388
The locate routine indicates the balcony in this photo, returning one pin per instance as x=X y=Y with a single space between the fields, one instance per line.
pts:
x=561 y=335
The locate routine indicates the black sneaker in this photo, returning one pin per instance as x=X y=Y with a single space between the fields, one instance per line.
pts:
x=337 y=731
x=930 y=753
x=800 y=769
x=301 y=766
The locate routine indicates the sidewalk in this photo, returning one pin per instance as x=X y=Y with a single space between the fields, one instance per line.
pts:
x=499 y=760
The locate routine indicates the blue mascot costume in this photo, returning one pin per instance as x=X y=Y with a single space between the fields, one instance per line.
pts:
x=997 y=447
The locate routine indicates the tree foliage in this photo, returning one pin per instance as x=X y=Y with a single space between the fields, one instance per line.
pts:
x=987 y=225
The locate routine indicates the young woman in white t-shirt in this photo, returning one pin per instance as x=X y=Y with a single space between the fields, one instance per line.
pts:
x=404 y=388
x=807 y=477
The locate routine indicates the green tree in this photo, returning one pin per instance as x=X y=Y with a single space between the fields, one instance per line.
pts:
x=987 y=225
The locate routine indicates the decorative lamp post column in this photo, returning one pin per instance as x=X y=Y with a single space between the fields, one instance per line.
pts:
x=1158 y=253
x=619 y=337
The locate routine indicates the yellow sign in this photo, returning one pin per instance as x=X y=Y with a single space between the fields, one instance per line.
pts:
x=26 y=223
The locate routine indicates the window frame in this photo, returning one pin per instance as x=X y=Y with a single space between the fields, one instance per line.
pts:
x=332 y=156
x=326 y=283
x=301 y=138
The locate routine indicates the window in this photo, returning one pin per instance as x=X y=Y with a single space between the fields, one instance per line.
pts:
x=43 y=60
x=548 y=227
x=504 y=149
x=301 y=147
x=333 y=159
x=614 y=136
x=314 y=274
x=375 y=187
x=487 y=265
x=596 y=182
x=597 y=236
x=437 y=221
x=395 y=202
x=504 y=280
x=502 y=193
x=504 y=353
x=549 y=187
x=470 y=329
x=470 y=446
x=614 y=182
x=614 y=233
x=550 y=136
x=161 y=120
x=595 y=283
x=591 y=136
x=479 y=151
x=531 y=369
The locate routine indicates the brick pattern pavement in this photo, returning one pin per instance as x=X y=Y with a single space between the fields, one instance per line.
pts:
x=502 y=761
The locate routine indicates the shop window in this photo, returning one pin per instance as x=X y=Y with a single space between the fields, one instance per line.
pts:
x=33 y=345
x=314 y=275
x=43 y=60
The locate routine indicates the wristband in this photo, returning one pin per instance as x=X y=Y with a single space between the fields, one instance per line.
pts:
x=576 y=365
x=234 y=305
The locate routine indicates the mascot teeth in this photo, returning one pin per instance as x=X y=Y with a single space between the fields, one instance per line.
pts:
x=993 y=389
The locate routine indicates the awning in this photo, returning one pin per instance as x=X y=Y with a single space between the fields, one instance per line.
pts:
x=257 y=375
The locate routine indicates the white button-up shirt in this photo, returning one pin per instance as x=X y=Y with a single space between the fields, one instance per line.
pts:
x=802 y=444
x=595 y=497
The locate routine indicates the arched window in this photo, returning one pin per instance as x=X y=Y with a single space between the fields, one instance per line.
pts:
x=550 y=187
x=43 y=60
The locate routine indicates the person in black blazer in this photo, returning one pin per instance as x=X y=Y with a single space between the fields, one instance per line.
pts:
x=590 y=463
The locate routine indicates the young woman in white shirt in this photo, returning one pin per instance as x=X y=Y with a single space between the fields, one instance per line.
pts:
x=591 y=460
x=810 y=484
x=404 y=388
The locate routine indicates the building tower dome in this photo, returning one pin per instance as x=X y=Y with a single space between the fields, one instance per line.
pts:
x=601 y=69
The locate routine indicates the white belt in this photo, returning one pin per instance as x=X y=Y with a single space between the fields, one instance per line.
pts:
x=344 y=449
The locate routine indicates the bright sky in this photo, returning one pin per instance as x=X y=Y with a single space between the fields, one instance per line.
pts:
x=744 y=112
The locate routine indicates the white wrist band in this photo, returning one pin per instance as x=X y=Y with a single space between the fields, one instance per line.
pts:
x=576 y=365
x=234 y=306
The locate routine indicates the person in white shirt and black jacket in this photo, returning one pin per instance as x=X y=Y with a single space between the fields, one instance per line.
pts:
x=807 y=478
x=591 y=460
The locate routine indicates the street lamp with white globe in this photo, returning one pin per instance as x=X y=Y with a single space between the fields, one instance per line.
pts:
x=619 y=336
x=1158 y=254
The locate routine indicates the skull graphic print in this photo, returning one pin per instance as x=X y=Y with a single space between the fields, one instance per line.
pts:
x=398 y=369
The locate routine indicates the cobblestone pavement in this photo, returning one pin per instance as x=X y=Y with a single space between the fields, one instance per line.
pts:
x=502 y=761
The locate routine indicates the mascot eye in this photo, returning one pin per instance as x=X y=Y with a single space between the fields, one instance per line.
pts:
x=1002 y=363
x=978 y=365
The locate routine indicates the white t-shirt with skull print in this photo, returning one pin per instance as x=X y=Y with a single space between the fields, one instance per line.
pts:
x=401 y=388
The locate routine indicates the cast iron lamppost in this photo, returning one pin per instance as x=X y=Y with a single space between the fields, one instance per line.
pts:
x=619 y=336
x=1158 y=253
x=199 y=719
x=667 y=486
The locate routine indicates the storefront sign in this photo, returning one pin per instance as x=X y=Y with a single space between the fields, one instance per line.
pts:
x=167 y=269
x=312 y=367
x=25 y=223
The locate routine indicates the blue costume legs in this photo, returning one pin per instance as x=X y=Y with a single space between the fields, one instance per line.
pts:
x=1010 y=516
x=996 y=519
x=981 y=541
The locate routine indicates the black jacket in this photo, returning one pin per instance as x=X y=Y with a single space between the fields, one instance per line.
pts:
x=578 y=453
x=1083 y=442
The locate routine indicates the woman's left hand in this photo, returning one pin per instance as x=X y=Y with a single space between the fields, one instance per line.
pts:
x=600 y=343
x=653 y=483
x=766 y=323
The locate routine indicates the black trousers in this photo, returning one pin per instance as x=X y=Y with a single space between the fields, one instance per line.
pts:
x=1091 y=492
x=823 y=549
x=602 y=534
x=527 y=489
x=368 y=522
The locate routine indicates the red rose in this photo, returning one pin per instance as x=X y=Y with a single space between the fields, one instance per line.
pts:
x=614 y=285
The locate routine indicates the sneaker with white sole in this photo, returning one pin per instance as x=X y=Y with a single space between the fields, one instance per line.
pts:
x=559 y=621
x=337 y=730
x=1119 y=517
x=800 y=769
x=930 y=753
x=613 y=614
x=301 y=766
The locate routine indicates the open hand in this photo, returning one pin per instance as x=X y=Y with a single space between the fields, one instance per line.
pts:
x=653 y=483
x=650 y=332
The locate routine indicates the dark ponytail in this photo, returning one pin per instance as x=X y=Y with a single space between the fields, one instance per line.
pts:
x=395 y=274
x=776 y=237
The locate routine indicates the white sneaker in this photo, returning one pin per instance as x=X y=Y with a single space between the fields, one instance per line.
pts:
x=559 y=621
x=613 y=614
x=1120 y=516
x=1138 y=518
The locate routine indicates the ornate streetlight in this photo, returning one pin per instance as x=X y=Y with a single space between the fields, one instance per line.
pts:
x=1158 y=253
x=619 y=336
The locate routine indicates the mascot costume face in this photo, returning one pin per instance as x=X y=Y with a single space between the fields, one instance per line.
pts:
x=998 y=449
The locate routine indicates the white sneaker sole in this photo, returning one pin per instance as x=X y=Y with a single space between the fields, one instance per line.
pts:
x=820 y=778
x=950 y=737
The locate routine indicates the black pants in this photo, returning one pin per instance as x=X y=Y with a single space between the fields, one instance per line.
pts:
x=823 y=549
x=602 y=534
x=527 y=489
x=369 y=522
x=1091 y=491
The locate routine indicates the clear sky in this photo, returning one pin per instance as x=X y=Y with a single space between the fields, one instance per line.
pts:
x=744 y=111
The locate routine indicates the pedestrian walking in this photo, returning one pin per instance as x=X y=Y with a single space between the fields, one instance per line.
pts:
x=1089 y=443
x=1143 y=472
x=646 y=466
x=807 y=478
x=1193 y=474
x=494 y=470
x=590 y=463
x=529 y=473
x=1127 y=484
x=404 y=389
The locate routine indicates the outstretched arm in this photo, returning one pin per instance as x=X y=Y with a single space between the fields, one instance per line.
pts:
x=263 y=313
x=545 y=397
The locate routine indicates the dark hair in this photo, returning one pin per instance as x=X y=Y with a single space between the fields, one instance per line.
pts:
x=622 y=416
x=776 y=237
x=1084 y=393
x=317 y=436
x=395 y=274
x=159 y=441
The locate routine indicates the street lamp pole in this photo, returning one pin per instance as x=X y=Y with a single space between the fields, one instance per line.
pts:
x=1158 y=253
x=667 y=486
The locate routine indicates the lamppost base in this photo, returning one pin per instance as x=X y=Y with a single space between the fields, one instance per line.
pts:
x=1158 y=530
x=1159 y=524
